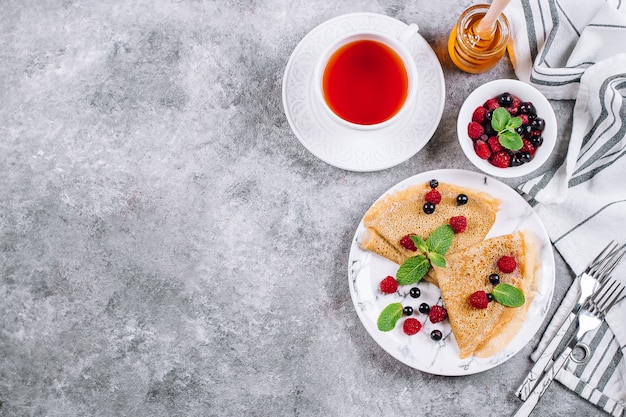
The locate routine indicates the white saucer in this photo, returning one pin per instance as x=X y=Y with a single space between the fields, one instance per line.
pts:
x=363 y=150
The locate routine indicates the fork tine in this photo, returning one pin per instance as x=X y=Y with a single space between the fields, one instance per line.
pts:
x=606 y=295
x=616 y=261
x=617 y=295
x=606 y=266
x=601 y=256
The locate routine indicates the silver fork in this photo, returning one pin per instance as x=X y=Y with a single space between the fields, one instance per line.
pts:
x=597 y=271
x=589 y=318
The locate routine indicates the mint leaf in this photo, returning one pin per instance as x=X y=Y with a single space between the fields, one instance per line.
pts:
x=419 y=243
x=437 y=259
x=499 y=119
x=508 y=295
x=514 y=123
x=389 y=317
x=440 y=239
x=510 y=140
x=412 y=270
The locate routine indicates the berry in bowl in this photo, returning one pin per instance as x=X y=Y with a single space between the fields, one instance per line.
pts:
x=507 y=128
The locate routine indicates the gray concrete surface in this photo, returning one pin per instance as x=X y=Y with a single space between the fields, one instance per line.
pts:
x=169 y=248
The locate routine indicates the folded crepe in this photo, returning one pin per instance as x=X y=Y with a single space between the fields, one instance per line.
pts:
x=401 y=213
x=484 y=332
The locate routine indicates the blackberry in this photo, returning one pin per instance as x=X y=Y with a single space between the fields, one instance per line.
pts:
x=489 y=130
x=436 y=335
x=527 y=108
x=429 y=208
x=523 y=130
x=538 y=123
x=505 y=99
x=494 y=279
x=536 y=141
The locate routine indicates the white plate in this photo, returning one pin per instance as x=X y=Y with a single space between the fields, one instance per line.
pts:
x=362 y=150
x=366 y=270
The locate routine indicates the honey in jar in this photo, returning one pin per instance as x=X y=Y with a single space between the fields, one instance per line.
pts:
x=473 y=53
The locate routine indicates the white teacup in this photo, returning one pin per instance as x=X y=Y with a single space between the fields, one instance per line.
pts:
x=369 y=105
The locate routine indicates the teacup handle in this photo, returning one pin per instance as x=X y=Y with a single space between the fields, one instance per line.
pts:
x=408 y=33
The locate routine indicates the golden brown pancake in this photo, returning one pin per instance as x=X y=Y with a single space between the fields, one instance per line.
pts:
x=401 y=213
x=484 y=332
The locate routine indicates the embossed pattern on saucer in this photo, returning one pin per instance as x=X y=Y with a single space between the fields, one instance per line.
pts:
x=344 y=148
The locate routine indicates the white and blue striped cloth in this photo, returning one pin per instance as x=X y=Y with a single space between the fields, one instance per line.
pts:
x=576 y=50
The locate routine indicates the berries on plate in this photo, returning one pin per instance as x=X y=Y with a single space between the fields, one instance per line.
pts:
x=407 y=243
x=495 y=122
x=461 y=199
x=507 y=264
x=433 y=196
x=388 y=285
x=479 y=300
x=411 y=326
x=437 y=313
x=458 y=224
x=436 y=335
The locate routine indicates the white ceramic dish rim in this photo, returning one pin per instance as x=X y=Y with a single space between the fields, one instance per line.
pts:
x=365 y=269
x=525 y=92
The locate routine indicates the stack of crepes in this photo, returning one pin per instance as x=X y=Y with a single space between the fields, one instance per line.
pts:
x=576 y=50
x=470 y=259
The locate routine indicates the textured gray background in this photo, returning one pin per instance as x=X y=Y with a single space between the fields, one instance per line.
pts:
x=169 y=248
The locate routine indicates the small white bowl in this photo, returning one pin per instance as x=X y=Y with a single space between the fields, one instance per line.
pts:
x=526 y=93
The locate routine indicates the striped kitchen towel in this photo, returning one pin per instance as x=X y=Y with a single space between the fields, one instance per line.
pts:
x=572 y=49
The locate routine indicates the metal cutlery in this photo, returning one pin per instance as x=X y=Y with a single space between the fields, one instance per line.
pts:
x=589 y=318
x=597 y=271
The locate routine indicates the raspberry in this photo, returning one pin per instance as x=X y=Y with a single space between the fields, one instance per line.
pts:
x=458 y=223
x=513 y=111
x=433 y=196
x=479 y=115
x=474 y=130
x=492 y=104
x=516 y=102
x=437 y=314
x=528 y=147
x=500 y=159
x=388 y=285
x=407 y=243
x=411 y=326
x=494 y=144
x=524 y=118
x=482 y=149
x=479 y=300
x=507 y=264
